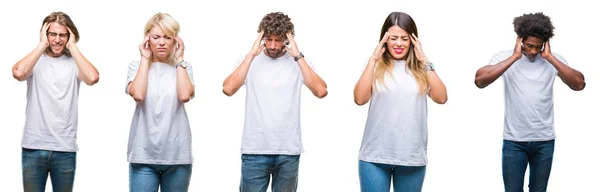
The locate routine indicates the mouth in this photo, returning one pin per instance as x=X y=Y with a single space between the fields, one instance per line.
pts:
x=161 y=49
x=398 y=50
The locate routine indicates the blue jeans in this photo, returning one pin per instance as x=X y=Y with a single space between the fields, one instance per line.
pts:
x=37 y=164
x=516 y=156
x=376 y=177
x=148 y=177
x=257 y=169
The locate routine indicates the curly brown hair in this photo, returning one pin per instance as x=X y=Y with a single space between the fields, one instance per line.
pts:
x=276 y=23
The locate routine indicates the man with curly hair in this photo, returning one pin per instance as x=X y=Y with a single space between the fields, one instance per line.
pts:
x=529 y=105
x=273 y=71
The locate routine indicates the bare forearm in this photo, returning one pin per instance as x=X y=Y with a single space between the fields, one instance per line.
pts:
x=316 y=85
x=236 y=79
x=437 y=88
x=573 y=78
x=87 y=72
x=364 y=87
x=139 y=85
x=23 y=68
x=185 y=89
x=488 y=74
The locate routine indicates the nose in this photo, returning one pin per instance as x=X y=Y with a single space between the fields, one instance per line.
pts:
x=533 y=52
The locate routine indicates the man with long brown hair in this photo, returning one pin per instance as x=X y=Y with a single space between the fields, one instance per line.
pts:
x=54 y=71
x=273 y=72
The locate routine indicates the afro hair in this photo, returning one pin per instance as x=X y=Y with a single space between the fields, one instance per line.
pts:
x=534 y=24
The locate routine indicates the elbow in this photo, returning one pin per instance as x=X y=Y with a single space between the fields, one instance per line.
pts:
x=360 y=102
x=579 y=86
x=442 y=100
x=228 y=91
x=138 y=97
x=93 y=80
x=19 y=76
x=184 y=98
x=479 y=83
x=321 y=93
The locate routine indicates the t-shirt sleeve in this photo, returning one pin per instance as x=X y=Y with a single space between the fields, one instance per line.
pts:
x=131 y=73
x=190 y=73
x=499 y=57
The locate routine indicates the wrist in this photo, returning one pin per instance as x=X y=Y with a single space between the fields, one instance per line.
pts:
x=298 y=57
x=179 y=60
x=428 y=67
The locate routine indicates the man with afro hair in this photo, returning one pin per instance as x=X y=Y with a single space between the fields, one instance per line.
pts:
x=273 y=71
x=529 y=105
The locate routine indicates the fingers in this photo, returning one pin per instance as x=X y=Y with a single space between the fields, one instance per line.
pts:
x=383 y=40
x=290 y=37
x=146 y=39
x=179 y=42
x=381 y=52
x=45 y=27
x=260 y=37
x=70 y=32
x=415 y=40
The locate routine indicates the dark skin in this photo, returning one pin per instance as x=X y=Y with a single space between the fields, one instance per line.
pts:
x=530 y=47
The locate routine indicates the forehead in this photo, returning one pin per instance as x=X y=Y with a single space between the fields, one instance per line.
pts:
x=533 y=40
x=274 y=37
x=57 y=28
x=397 y=31
x=156 y=30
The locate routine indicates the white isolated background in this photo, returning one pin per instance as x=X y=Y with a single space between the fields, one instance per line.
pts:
x=465 y=134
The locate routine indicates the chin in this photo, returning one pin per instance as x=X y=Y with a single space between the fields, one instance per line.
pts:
x=399 y=57
x=58 y=52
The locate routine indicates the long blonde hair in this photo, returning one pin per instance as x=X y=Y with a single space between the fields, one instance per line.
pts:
x=168 y=25
x=386 y=64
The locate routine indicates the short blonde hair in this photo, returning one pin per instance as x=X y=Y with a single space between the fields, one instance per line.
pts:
x=167 y=24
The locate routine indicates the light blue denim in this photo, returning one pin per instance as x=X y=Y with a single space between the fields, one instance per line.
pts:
x=257 y=170
x=149 y=177
x=376 y=177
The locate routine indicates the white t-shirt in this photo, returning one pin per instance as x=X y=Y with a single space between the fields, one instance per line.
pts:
x=160 y=131
x=529 y=98
x=396 y=128
x=272 y=122
x=52 y=99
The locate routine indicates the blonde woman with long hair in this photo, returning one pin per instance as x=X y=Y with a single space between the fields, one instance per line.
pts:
x=397 y=80
x=160 y=146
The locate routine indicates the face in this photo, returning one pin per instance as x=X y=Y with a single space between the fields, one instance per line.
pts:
x=58 y=36
x=398 y=43
x=161 y=44
x=274 y=45
x=532 y=46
